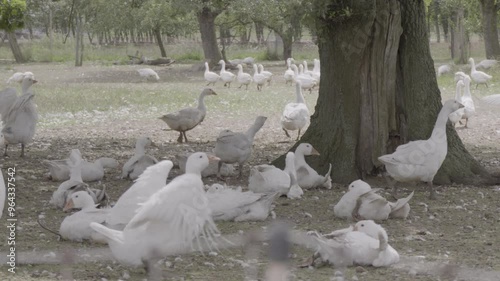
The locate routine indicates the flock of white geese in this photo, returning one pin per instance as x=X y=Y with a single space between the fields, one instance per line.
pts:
x=152 y=219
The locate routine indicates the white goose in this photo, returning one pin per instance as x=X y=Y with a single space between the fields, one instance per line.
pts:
x=479 y=77
x=289 y=74
x=487 y=64
x=296 y=115
x=140 y=161
x=467 y=101
x=460 y=76
x=75 y=182
x=243 y=78
x=234 y=205
x=259 y=79
x=306 y=81
x=210 y=77
x=226 y=76
x=266 y=73
x=148 y=74
x=306 y=70
x=269 y=179
x=492 y=99
x=316 y=72
x=420 y=160
x=149 y=182
x=457 y=115
x=307 y=176
x=18 y=77
x=443 y=69
x=175 y=218
x=362 y=201
x=76 y=227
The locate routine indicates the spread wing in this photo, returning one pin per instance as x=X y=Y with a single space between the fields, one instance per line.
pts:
x=410 y=153
x=18 y=106
x=7 y=99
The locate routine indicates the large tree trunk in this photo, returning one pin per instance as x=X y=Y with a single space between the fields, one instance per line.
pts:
x=159 y=40
x=79 y=41
x=14 y=46
x=287 y=47
x=444 y=24
x=490 y=31
x=206 y=20
x=259 y=32
x=435 y=15
x=380 y=89
x=460 y=39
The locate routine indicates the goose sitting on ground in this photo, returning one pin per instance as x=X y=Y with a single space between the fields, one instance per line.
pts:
x=420 y=160
x=226 y=170
x=18 y=77
x=76 y=227
x=478 y=77
x=361 y=201
x=188 y=118
x=457 y=115
x=233 y=147
x=259 y=79
x=243 y=78
x=248 y=61
x=149 y=182
x=443 y=69
x=226 y=76
x=19 y=114
x=234 y=205
x=134 y=167
x=364 y=244
x=210 y=77
x=307 y=176
x=269 y=179
x=269 y=75
x=289 y=74
x=175 y=219
x=306 y=81
x=467 y=102
x=148 y=74
x=296 y=115
x=492 y=99
x=486 y=64
x=59 y=170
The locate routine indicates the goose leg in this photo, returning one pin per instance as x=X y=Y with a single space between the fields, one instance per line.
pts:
x=179 y=139
x=241 y=171
x=355 y=211
x=5 y=152
x=286 y=132
x=208 y=83
x=219 y=165
x=246 y=89
x=486 y=85
x=22 y=149
x=185 y=138
x=240 y=86
x=477 y=85
x=466 y=121
x=432 y=195
x=298 y=136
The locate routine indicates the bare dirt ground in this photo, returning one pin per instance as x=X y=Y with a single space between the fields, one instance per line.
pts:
x=453 y=238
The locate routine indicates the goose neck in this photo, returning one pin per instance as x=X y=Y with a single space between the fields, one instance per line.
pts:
x=298 y=92
x=201 y=102
x=140 y=149
x=467 y=89
x=458 y=93
x=439 y=131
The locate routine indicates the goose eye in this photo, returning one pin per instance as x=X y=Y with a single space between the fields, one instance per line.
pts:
x=362 y=225
x=76 y=196
x=201 y=156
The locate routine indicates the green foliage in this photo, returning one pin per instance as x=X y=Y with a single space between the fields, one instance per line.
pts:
x=12 y=14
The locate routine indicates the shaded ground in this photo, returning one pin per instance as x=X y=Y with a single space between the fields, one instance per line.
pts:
x=461 y=228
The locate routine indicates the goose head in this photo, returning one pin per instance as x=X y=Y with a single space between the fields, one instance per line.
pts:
x=206 y=66
x=198 y=161
x=359 y=186
x=240 y=67
x=306 y=149
x=28 y=80
x=452 y=105
x=79 y=200
x=144 y=142
x=261 y=68
x=222 y=62
x=208 y=92
x=255 y=69
x=471 y=60
x=370 y=228
x=215 y=188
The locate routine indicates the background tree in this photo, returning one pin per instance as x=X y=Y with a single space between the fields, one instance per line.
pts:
x=377 y=76
x=489 y=11
x=458 y=12
x=12 y=18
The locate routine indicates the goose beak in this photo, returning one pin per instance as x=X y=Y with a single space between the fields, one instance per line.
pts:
x=460 y=105
x=69 y=205
x=213 y=158
x=314 y=152
x=35 y=81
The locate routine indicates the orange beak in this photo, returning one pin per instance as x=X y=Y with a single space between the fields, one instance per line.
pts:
x=213 y=158
x=314 y=151
x=69 y=205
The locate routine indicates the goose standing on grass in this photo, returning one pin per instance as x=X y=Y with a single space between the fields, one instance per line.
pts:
x=148 y=183
x=307 y=176
x=19 y=114
x=457 y=115
x=420 y=160
x=486 y=64
x=493 y=99
x=188 y=118
x=134 y=167
x=259 y=79
x=210 y=77
x=306 y=81
x=243 y=78
x=76 y=227
x=467 y=102
x=226 y=76
x=478 y=77
x=443 y=69
x=296 y=115
x=148 y=74
x=233 y=147
x=289 y=74
x=174 y=219
x=269 y=179
x=267 y=74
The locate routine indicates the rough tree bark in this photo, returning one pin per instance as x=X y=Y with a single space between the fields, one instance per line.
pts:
x=459 y=38
x=376 y=91
x=14 y=46
x=435 y=15
x=444 y=24
x=490 y=31
x=206 y=20
x=159 y=40
x=259 y=32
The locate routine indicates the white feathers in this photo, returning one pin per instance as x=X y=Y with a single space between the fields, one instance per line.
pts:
x=492 y=100
x=210 y=77
x=478 y=77
x=295 y=115
x=443 y=69
x=148 y=74
x=226 y=76
x=307 y=177
x=243 y=78
x=140 y=161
